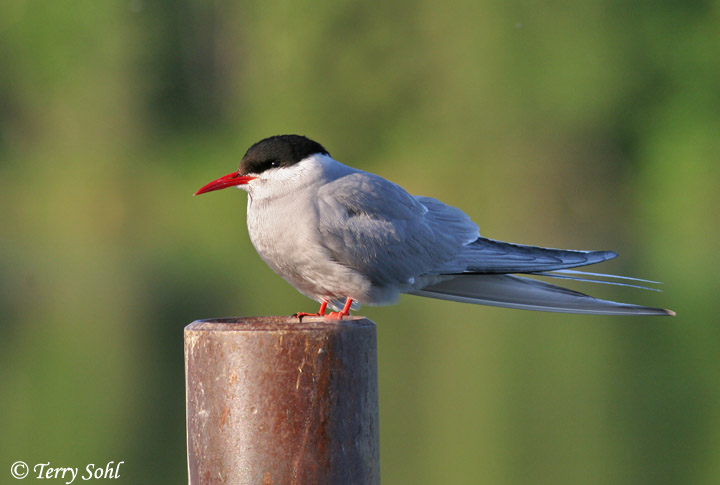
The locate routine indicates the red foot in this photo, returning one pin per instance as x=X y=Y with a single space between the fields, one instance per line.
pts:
x=320 y=313
x=330 y=316
x=339 y=315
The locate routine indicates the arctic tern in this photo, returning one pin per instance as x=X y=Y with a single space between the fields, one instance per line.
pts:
x=346 y=237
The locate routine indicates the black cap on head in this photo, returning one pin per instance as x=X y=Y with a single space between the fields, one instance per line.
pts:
x=278 y=151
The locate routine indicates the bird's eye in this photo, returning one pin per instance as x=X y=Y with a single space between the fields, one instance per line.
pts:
x=274 y=164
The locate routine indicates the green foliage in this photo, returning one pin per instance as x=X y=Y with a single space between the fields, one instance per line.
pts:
x=590 y=125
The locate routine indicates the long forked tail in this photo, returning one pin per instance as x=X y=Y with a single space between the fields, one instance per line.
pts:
x=512 y=291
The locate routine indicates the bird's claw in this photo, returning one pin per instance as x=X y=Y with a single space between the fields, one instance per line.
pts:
x=301 y=315
x=320 y=312
x=327 y=316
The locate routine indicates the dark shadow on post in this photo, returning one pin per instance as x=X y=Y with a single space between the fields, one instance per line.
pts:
x=274 y=401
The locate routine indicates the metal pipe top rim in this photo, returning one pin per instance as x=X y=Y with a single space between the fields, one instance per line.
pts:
x=274 y=324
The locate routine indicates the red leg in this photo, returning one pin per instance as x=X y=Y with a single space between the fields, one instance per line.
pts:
x=344 y=313
x=320 y=313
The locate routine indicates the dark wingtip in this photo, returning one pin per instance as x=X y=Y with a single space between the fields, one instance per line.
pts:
x=609 y=254
x=661 y=312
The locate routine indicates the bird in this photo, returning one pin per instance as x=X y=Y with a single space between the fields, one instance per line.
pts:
x=346 y=237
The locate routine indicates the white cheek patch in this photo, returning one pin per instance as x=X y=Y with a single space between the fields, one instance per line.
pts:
x=302 y=172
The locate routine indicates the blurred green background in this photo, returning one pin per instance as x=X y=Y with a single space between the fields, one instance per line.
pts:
x=590 y=125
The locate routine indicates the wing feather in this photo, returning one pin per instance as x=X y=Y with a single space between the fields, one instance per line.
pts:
x=375 y=227
x=528 y=294
x=486 y=256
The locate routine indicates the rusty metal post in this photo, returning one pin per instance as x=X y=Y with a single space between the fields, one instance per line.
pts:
x=274 y=401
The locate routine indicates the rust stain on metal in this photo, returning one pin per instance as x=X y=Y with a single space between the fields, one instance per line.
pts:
x=224 y=416
x=267 y=479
